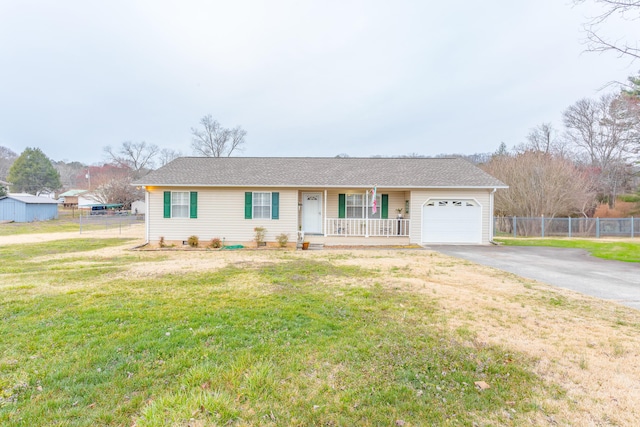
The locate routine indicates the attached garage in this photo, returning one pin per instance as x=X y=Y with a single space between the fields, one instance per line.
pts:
x=452 y=221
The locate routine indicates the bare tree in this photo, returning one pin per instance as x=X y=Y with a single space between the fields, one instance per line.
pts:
x=112 y=184
x=606 y=130
x=166 y=155
x=7 y=157
x=213 y=140
x=541 y=184
x=137 y=156
x=70 y=173
x=544 y=139
x=627 y=10
x=475 y=158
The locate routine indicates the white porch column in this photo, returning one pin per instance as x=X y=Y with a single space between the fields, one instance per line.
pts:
x=366 y=213
x=324 y=223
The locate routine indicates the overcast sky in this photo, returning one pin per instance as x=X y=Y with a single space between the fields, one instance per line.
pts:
x=303 y=78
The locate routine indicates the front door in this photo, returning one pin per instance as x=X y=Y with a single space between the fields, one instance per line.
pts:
x=312 y=213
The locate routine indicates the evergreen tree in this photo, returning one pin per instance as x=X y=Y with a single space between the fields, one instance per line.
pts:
x=33 y=173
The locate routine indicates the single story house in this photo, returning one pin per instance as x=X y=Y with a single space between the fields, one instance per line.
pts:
x=331 y=201
x=21 y=207
x=71 y=198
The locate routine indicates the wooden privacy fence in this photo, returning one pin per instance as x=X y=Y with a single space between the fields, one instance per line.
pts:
x=566 y=227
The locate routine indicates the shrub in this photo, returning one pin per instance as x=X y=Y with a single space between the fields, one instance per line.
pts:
x=216 y=243
x=193 y=241
x=260 y=232
x=630 y=198
x=282 y=239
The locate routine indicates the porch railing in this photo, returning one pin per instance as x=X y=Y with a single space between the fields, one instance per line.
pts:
x=367 y=227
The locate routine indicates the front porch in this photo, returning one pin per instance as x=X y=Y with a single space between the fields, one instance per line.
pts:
x=354 y=216
x=367 y=227
x=359 y=232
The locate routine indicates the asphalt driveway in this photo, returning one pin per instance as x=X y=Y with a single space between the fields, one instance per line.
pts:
x=571 y=269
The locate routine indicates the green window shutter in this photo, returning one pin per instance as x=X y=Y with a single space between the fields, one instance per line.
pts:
x=248 y=201
x=193 y=205
x=384 y=210
x=275 y=205
x=167 y=204
x=342 y=205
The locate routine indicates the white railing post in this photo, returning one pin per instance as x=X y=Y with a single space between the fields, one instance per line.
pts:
x=367 y=227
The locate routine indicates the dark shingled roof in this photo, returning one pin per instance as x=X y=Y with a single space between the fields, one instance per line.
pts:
x=320 y=172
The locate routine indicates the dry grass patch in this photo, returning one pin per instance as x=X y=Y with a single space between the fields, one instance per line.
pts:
x=588 y=347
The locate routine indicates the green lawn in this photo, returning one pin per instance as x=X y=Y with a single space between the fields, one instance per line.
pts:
x=619 y=251
x=51 y=226
x=294 y=341
x=67 y=221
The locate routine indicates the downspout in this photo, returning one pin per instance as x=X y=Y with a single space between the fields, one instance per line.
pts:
x=492 y=222
x=146 y=215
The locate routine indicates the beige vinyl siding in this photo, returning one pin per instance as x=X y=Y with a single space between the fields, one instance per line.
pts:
x=420 y=197
x=221 y=214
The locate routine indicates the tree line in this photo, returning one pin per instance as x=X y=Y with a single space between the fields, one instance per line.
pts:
x=110 y=182
x=592 y=160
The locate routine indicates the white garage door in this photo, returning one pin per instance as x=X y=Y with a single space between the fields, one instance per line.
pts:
x=451 y=221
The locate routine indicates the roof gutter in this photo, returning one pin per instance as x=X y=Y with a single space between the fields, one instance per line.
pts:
x=395 y=187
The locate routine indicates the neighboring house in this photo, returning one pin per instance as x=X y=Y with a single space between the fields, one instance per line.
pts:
x=138 y=207
x=418 y=200
x=70 y=198
x=27 y=208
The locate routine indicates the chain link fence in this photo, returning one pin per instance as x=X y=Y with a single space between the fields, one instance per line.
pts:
x=566 y=227
x=113 y=220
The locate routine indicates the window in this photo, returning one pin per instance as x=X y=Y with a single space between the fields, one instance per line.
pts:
x=261 y=205
x=355 y=206
x=180 y=204
x=452 y=203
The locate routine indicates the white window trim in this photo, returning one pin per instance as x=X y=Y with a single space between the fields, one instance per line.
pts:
x=365 y=210
x=254 y=205
x=188 y=205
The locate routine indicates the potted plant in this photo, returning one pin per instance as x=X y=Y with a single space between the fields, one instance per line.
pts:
x=399 y=210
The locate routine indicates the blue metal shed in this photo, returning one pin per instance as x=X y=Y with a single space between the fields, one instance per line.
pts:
x=27 y=208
